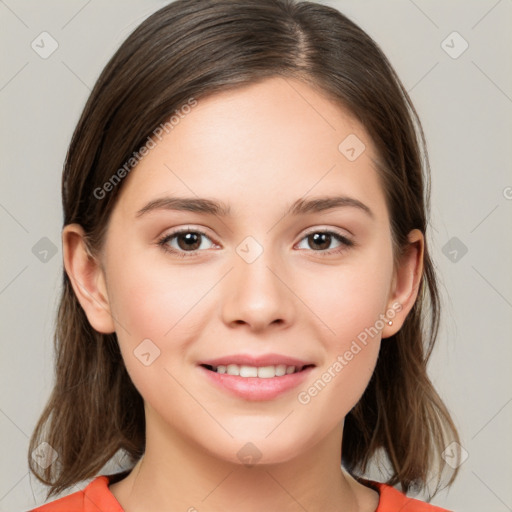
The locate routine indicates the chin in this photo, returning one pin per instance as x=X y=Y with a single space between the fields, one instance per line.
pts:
x=257 y=448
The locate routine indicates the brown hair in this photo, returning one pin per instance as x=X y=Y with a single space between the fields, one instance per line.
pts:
x=193 y=48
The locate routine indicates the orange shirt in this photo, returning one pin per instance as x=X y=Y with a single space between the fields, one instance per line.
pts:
x=96 y=497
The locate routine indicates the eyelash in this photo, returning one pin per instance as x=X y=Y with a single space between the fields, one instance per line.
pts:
x=163 y=242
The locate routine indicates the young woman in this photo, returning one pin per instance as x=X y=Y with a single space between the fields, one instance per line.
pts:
x=248 y=301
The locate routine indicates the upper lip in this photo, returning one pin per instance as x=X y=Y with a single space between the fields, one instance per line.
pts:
x=261 y=360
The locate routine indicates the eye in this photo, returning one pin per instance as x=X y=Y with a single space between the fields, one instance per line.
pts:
x=320 y=240
x=188 y=242
x=184 y=242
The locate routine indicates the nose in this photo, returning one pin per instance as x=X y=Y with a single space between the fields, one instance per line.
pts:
x=258 y=294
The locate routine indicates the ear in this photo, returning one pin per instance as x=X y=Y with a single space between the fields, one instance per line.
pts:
x=406 y=282
x=87 y=278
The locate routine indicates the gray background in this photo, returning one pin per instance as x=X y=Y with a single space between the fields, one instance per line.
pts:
x=465 y=104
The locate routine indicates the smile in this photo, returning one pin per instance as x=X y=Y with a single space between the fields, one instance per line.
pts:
x=257 y=383
x=262 y=372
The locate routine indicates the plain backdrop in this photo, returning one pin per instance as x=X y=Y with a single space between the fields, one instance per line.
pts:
x=454 y=57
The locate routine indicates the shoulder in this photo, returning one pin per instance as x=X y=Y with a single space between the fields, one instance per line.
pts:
x=96 y=497
x=392 y=500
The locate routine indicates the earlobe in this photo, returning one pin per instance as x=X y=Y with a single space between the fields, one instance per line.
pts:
x=87 y=278
x=406 y=283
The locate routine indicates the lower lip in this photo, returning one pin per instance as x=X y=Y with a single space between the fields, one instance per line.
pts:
x=254 y=388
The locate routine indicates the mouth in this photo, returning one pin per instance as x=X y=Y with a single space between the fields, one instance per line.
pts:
x=256 y=377
x=261 y=372
x=261 y=378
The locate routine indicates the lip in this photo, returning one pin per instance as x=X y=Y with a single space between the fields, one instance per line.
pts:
x=261 y=360
x=254 y=388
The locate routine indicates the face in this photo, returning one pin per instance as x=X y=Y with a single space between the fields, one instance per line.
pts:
x=277 y=281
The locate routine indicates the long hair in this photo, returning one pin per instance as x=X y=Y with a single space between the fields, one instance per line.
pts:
x=191 y=49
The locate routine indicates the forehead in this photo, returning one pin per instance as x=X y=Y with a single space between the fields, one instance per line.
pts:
x=268 y=143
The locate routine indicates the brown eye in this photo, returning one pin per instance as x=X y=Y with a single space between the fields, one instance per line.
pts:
x=185 y=242
x=320 y=241
x=189 y=241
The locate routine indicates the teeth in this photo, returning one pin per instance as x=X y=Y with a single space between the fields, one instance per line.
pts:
x=248 y=371
x=263 y=372
x=233 y=369
x=281 y=370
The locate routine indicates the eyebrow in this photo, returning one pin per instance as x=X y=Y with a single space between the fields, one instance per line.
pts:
x=218 y=208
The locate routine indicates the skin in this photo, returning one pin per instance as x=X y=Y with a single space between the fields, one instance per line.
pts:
x=258 y=149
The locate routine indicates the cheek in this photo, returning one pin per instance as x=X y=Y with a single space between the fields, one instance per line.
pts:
x=351 y=297
x=350 y=354
x=165 y=304
x=152 y=300
x=155 y=308
x=351 y=303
